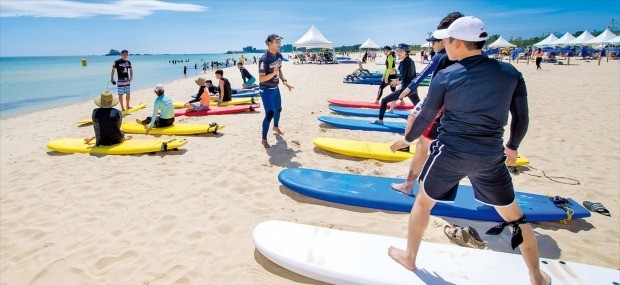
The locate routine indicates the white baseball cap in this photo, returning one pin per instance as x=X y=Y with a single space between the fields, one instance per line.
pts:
x=159 y=87
x=468 y=28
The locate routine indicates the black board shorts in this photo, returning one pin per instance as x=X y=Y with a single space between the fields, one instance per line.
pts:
x=488 y=174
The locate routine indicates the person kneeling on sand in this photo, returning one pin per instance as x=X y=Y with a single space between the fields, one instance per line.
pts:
x=107 y=121
x=163 y=105
x=248 y=79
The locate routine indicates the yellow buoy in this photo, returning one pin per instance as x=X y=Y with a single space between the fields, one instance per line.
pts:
x=84 y=63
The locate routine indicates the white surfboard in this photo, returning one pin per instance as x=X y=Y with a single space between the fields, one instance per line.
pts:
x=342 y=257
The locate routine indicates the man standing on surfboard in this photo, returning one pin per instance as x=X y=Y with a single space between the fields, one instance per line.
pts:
x=269 y=75
x=477 y=94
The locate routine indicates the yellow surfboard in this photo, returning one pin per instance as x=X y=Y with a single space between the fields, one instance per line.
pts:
x=235 y=101
x=379 y=151
x=133 y=146
x=124 y=113
x=175 y=129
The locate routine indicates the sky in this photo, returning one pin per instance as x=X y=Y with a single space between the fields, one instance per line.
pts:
x=58 y=28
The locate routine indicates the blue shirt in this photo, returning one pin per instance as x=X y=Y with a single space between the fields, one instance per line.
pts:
x=265 y=66
x=163 y=103
x=477 y=94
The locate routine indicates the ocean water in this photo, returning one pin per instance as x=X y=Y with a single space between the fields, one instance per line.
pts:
x=28 y=84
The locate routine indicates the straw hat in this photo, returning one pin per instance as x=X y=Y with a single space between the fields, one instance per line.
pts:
x=201 y=81
x=106 y=100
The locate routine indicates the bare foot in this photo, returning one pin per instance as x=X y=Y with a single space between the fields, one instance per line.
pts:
x=139 y=122
x=87 y=140
x=400 y=256
x=542 y=279
x=404 y=188
x=128 y=107
x=265 y=144
x=128 y=138
x=277 y=130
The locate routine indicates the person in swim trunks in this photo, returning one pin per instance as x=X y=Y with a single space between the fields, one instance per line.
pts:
x=477 y=94
x=439 y=62
x=269 y=75
x=125 y=75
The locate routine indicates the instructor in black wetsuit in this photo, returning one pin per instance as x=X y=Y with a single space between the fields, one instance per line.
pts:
x=406 y=68
x=477 y=94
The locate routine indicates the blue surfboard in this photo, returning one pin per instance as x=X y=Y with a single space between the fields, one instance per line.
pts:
x=364 y=125
x=246 y=94
x=375 y=192
x=361 y=112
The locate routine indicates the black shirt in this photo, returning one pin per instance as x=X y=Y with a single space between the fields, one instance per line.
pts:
x=107 y=124
x=227 y=90
x=406 y=68
x=122 y=69
x=477 y=93
x=265 y=66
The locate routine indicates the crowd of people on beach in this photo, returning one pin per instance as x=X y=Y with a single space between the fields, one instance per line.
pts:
x=458 y=125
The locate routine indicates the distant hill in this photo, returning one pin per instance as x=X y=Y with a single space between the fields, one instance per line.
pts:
x=113 y=52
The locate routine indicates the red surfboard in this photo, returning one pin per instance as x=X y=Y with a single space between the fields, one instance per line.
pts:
x=217 y=110
x=362 y=104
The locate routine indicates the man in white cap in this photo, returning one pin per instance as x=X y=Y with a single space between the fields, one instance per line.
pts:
x=476 y=94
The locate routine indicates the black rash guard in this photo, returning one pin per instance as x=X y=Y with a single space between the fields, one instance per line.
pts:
x=477 y=93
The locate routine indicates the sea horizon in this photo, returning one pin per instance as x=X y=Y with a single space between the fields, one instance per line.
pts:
x=32 y=83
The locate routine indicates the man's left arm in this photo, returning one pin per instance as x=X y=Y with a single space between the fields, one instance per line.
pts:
x=130 y=73
x=519 y=112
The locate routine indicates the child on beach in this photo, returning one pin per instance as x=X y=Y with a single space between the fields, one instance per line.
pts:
x=202 y=100
x=107 y=121
x=162 y=104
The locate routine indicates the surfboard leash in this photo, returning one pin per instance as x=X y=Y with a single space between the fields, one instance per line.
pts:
x=571 y=181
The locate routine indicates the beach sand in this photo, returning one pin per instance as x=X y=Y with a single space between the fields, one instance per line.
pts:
x=186 y=217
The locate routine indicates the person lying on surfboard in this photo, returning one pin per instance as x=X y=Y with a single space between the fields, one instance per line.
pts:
x=163 y=105
x=107 y=121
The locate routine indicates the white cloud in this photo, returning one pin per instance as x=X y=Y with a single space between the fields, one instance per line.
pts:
x=122 y=9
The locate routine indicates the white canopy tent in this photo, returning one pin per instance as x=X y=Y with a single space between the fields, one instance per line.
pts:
x=564 y=40
x=426 y=45
x=501 y=42
x=584 y=37
x=604 y=37
x=313 y=38
x=369 y=44
x=615 y=40
x=547 y=41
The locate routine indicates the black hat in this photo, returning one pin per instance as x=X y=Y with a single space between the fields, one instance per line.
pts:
x=272 y=37
x=431 y=39
x=404 y=47
x=387 y=48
